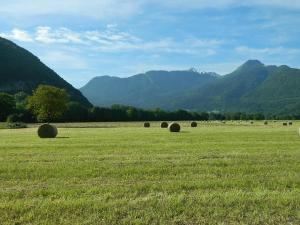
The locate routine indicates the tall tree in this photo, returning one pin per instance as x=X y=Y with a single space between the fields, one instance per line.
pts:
x=48 y=103
x=7 y=105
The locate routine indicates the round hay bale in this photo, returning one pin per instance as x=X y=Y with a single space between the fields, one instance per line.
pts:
x=284 y=124
x=164 y=125
x=174 y=127
x=47 y=131
x=194 y=124
x=146 y=124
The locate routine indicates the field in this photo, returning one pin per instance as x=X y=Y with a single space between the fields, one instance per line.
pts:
x=122 y=173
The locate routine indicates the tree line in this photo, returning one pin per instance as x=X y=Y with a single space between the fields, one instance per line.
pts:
x=51 y=104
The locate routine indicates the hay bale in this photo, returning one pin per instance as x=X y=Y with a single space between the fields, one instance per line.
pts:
x=146 y=124
x=194 y=124
x=47 y=131
x=164 y=125
x=284 y=124
x=174 y=127
x=290 y=123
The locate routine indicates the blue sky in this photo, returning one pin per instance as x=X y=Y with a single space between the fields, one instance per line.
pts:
x=82 y=39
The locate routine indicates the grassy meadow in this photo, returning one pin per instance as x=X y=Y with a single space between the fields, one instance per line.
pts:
x=123 y=173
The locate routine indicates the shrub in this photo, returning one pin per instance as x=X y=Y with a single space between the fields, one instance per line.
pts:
x=174 y=127
x=47 y=131
x=146 y=124
x=290 y=123
x=164 y=125
x=13 y=118
x=194 y=124
x=266 y=122
x=16 y=125
x=284 y=124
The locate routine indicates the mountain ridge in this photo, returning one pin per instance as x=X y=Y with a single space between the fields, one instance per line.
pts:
x=252 y=87
x=23 y=71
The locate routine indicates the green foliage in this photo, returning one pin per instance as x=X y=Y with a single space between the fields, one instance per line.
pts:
x=7 y=105
x=48 y=103
x=16 y=125
x=13 y=118
x=76 y=112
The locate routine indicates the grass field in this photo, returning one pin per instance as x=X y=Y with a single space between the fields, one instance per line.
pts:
x=122 y=173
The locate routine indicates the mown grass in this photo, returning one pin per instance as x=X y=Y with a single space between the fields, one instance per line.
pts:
x=126 y=174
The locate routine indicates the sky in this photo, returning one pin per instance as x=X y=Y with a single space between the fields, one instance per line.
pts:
x=83 y=39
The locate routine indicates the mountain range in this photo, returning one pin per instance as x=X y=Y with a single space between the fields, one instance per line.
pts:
x=21 y=71
x=252 y=87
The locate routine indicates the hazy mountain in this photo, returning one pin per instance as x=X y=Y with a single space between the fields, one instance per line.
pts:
x=253 y=87
x=149 y=90
x=22 y=71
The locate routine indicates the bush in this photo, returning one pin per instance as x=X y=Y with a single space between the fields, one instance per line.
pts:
x=164 y=125
x=194 y=124
x=47 y=131
x=16 y=125
x=147 y=124
x=284 y=124
x=12 y=118
x=174 y=127
x=266 y=122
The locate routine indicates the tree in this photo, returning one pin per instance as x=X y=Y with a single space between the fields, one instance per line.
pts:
x=76 y=112
x=48 y=103
x=7 y=105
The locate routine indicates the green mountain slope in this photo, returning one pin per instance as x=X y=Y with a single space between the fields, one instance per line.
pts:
x=253 y=87
x=22 y=71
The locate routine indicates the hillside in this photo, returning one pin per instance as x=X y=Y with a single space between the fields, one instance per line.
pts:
x=253 y=87
x=150 y=90
x=22 y=71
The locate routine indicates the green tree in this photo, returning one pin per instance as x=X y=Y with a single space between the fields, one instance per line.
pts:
x=7 y=105
x=48 y=103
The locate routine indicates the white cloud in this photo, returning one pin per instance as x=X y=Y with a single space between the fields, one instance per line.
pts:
x=113 y=40
x=18 y=35
x=61 y=35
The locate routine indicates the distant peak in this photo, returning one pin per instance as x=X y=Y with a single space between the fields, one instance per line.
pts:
x=253 y=62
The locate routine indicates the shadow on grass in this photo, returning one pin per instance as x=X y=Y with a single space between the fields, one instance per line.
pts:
x=62 y=137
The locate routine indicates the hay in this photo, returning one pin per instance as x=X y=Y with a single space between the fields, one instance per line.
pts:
x=47 y=131
x=164 y=125
x=194 y=124
x=147 y=124
x=174 y=127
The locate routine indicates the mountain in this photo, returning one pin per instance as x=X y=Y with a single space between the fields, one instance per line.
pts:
x=149 y=90
x=252 y=87
x=22 y=71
